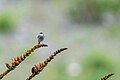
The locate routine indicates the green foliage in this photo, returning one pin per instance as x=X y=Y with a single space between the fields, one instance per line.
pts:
x=112 y=31
x=97 y=64
x=7 y=22
x=108 y=5
x=91 y=10
x=98 y=60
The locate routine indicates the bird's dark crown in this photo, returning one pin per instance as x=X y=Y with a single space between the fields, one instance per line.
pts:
x=41 y=33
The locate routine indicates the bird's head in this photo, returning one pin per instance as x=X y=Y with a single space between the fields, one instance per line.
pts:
x=41 y=34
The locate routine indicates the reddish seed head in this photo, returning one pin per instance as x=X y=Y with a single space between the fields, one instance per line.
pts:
x=7 y=65
x=13 y=61
x=37 y=67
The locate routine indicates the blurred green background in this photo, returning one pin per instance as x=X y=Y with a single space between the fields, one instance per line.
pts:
x=89 y=28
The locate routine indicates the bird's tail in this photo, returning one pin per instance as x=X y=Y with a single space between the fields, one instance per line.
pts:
x=38 y=42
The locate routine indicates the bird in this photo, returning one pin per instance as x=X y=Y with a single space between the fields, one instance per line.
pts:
x=40 y=37
x=33 y=70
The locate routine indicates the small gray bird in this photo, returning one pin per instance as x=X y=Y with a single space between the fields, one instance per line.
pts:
x=40 y=37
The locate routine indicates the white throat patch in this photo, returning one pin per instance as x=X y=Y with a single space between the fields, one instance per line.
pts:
x=41 y=35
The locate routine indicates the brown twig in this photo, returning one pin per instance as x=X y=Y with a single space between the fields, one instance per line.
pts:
x=38 y=68
x=106 y=77
x=16 y=61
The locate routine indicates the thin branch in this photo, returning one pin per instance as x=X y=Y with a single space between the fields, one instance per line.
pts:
x=16 y=61
x=107 y=76
x=38 y=68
